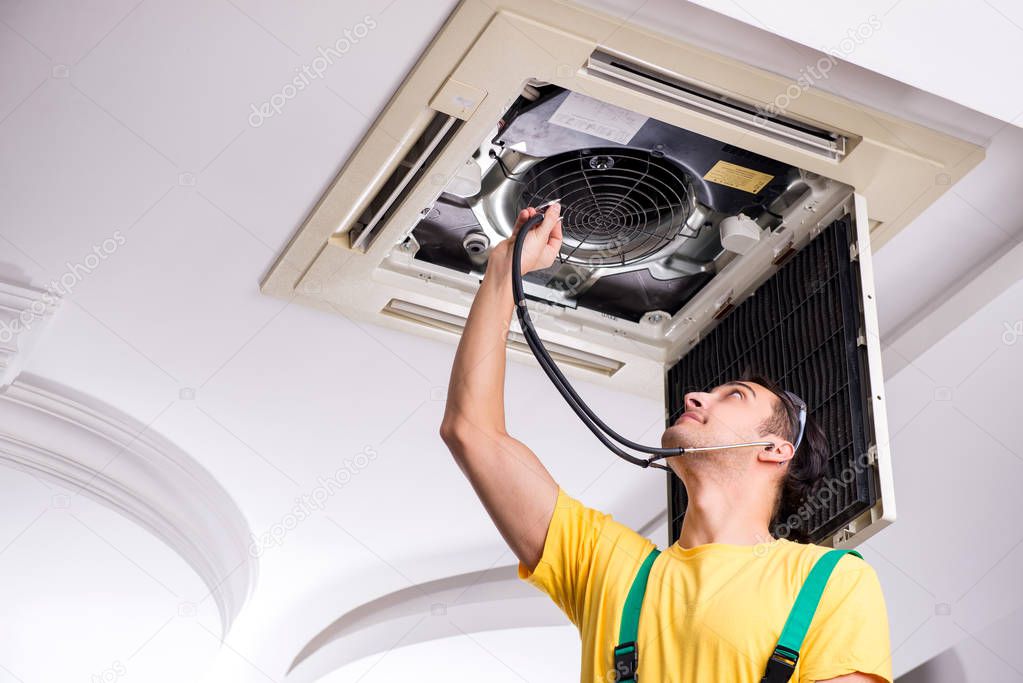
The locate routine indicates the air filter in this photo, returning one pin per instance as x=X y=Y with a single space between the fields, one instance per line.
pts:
x=802 y=328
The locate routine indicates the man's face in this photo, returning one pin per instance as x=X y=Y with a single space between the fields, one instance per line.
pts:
x=730 y=413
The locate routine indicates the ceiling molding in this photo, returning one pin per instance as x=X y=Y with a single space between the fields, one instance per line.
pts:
x=24 y=314
x=485 y=600
x=82 y=443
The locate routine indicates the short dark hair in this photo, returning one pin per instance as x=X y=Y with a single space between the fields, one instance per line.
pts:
x=805 y=472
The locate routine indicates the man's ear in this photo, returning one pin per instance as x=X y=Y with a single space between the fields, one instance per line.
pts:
x=781 y=453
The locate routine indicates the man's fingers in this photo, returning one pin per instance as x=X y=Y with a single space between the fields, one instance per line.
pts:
x=550 y=222
x=553 y=213
x=554 y=241
x=523 y=216
x=550 y=218
x=519 y=220
x=556 y=230
x=548 y=241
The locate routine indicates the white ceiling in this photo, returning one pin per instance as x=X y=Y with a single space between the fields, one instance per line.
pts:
x=958 y=49
x=132 y=119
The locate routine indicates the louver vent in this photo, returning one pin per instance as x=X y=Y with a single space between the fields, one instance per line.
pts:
x=695 y=97
x=402 y=180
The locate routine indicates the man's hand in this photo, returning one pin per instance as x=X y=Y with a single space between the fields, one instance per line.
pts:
x=542 y=245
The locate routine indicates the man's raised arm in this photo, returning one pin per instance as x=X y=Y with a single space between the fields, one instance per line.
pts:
x=515 y=488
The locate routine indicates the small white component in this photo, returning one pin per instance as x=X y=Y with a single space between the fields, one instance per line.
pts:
x=739 y=233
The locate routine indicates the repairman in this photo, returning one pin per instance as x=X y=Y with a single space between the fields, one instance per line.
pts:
x=727 y=601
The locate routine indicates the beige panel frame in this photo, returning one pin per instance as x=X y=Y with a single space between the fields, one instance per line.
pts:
x=483 y=55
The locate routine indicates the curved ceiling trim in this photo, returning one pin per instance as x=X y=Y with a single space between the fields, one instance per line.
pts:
x=428 y=611
x=485 y=600
x=25 y=312
x=85 y=444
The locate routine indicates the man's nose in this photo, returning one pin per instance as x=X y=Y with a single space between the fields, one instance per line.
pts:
x=694 y=400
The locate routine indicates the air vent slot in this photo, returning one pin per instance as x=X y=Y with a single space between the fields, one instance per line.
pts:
x=698 y=98
x=449 y=322
x=415 y=164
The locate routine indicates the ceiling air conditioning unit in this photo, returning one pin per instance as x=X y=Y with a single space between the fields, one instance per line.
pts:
x=684 y=191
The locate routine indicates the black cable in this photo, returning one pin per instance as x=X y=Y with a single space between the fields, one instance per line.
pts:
x=583 y=411
x=589 y=418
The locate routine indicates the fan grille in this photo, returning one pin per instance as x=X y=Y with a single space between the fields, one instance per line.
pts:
x=618 y=206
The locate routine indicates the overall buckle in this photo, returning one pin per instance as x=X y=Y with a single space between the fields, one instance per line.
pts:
x=626 y=661
x=781 y=665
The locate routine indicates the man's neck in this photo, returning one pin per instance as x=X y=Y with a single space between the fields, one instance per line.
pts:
x=722 y=512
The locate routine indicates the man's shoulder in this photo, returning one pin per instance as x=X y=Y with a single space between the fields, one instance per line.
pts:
x=803 y=557
x=611 y=533
x=622 y=539
x=852 y=580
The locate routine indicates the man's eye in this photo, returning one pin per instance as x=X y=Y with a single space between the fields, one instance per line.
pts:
x=736 y=391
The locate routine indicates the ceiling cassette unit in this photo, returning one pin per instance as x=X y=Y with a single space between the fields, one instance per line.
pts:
x=685 y=189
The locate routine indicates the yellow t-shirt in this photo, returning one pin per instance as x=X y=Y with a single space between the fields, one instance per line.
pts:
x=711 y=613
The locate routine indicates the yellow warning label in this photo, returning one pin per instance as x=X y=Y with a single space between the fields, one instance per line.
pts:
x=739 y=177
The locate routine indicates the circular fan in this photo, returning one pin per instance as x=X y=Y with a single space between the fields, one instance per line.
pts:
x=618 y=205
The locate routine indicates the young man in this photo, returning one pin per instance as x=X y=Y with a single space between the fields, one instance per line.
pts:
x=717 y=599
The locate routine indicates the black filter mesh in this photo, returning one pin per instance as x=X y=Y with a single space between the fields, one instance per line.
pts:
x=799 y=328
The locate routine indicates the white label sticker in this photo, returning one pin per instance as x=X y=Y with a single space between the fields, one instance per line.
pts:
x=594 y=117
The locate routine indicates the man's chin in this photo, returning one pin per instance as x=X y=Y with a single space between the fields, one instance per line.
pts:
x=674 y=437
x=678 y=436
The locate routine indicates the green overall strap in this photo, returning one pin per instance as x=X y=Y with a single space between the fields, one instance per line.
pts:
x=783 y=660
x=626 y=653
